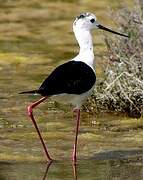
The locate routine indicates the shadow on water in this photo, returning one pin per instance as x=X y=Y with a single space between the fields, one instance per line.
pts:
x=108 y=165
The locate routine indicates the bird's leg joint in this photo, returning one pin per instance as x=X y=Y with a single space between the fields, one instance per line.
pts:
x=30 y=110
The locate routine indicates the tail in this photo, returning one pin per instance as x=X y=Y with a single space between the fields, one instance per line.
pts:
x=30 y=92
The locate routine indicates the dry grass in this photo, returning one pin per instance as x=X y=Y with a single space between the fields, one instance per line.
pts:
x=122 y=88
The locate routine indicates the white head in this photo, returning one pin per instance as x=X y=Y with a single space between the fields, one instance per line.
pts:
x=82 y=26
x=88 y=21
x=85 y=21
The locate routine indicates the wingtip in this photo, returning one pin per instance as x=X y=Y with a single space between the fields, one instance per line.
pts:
x=29 y=92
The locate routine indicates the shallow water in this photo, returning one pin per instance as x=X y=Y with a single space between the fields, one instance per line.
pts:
x=86 y=169
x=36 y=36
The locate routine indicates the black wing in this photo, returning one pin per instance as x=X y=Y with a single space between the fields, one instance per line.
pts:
x=73 y=77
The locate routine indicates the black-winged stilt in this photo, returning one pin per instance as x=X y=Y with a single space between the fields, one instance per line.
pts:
x=73 y=81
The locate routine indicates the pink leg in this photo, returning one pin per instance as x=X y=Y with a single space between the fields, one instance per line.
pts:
x=74 y=155
x=30 y=113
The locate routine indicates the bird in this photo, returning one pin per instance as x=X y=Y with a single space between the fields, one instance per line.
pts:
x=73 y=81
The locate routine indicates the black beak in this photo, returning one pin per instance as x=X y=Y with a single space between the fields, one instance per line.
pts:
x=106 y=29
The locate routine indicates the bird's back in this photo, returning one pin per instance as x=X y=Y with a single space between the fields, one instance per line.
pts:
x=73 y=77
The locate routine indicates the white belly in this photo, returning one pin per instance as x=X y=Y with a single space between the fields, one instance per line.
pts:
x=74 y=99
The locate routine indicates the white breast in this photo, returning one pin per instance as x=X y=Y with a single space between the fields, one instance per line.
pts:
x=74 y=99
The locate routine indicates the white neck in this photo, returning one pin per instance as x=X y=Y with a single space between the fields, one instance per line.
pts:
x=84 y=39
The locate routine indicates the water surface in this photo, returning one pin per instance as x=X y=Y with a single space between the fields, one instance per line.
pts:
x=88 y=169
x=36 y=36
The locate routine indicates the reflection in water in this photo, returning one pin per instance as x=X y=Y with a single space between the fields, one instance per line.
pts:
x=74 y=165
x=47 y=170
x=131 y=169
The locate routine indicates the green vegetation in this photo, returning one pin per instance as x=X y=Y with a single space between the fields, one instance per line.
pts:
x=121 y=90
